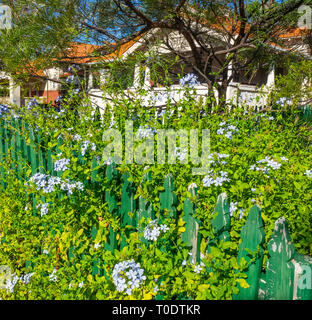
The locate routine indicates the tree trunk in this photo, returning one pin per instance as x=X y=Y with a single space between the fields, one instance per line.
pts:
x=222 y=97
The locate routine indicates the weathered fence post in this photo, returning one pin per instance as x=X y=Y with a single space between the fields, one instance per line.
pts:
x=221 y=223
x=252 y=235
x=127 y=208
x=191 y=236
x=280 y=270
x=111 y=174
x=145 y=208
x=168 y=198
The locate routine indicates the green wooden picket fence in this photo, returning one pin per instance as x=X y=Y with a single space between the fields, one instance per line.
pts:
x=285 y=268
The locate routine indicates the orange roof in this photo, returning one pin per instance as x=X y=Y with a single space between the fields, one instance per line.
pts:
x=87 y=53
x=294 y=33
x=80 y=53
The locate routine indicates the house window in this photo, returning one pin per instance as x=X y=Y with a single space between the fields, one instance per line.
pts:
x=257 y=78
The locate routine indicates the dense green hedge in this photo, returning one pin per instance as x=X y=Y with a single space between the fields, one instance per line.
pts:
x=261 y=158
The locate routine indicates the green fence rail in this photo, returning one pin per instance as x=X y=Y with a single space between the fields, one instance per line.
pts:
x=284 y=277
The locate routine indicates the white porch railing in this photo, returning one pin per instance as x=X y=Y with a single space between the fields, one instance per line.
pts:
x=236 y=93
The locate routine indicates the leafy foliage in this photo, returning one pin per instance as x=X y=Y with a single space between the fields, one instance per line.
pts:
x=266 y=156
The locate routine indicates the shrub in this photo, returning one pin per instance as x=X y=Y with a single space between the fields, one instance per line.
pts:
x=261 y=158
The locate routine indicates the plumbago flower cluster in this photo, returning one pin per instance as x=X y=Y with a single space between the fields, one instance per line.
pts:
x=189 y=79
x=128 y=275
x=47 y=183
x=227 y=130
x=152 y=230
x=24 y=279
x=267 y=164
x=213 y=178
x=61 y=165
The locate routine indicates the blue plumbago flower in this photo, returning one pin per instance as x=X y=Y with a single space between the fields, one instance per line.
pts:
x=85 y=146
x=45 y=251
x=112 y=123
x=93 y=147
x=233 y=208
x=80 y=285
x=164 y=228
x=10 y=283
x=53 y=276
x=213 y=179
x=241 y=213
x=283 y=101
x=32 y=103
x=4 y=109
x=127 y=275
x=26 y=277
x=152 y=231
x=227 y=130
x=68 y=186
x=146 y=131
x=44 y=208
x=61 y=165
x=189 y=79
x=216 y=158
x=184 y=263
x=161 y=113
x=160 y=97
x=77 y=137
x=51 y=183
x=197 y=269
x=97 y=246
x=181 y=154
x=72 y=79
x=267 y=164
x=308 y=173
x=222 y=155
x=228 y=135
x=59 y=99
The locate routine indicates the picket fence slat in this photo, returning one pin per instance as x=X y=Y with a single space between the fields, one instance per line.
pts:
x=252 y=235
x=145 y=208
x=111 y=243
x=191 y=236
x=127 y=209
x=168 y=199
